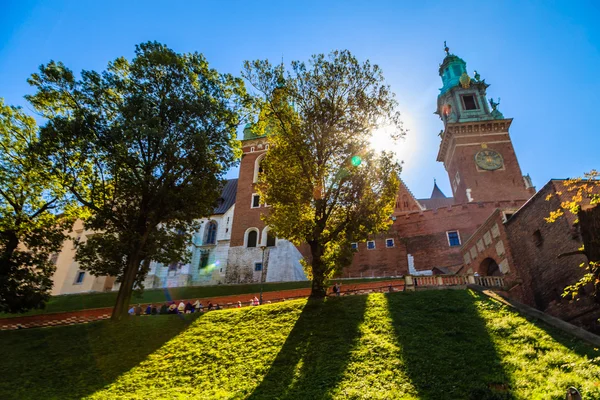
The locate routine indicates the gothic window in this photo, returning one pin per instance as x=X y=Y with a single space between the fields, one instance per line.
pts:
x=405 y=201
x=211 y=233
x=252 y=239
x=453 y=238
x=173 y=266
x=469 y=102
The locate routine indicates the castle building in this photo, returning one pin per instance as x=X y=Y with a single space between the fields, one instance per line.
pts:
x=493 y=224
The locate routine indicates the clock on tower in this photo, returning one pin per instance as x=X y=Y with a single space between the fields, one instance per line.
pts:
x=476 y=147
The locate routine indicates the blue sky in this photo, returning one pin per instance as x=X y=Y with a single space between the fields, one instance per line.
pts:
x=541 y=58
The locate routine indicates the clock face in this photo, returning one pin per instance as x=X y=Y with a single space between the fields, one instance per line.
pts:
x=488 y=160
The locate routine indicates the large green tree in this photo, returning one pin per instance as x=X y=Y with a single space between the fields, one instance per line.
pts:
x=30 y=230
x=143 y=146
x=325 y=188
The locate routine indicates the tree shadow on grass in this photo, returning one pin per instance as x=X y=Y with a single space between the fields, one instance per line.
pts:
x=314 y=356
x=76 y=361
x=446 y=349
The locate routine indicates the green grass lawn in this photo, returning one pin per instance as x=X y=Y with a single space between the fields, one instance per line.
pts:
x=107 y=299
x=447 y=344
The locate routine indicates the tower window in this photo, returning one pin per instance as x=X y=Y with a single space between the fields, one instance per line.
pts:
x=456 y=70
x=371 y=245
x=469 y=102
x=252 y=239
x=255 y=201
x=453 y=238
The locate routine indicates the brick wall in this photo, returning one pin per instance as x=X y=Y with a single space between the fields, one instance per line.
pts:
x=535 y=256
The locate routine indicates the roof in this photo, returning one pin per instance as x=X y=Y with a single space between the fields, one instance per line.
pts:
x=432 y=204
x=227 y=198
x=437 y=193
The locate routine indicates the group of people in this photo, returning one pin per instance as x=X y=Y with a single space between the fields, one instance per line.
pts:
x=182 y=308
x=173 y=308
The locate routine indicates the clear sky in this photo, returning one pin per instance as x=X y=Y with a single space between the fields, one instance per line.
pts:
x=542 y=58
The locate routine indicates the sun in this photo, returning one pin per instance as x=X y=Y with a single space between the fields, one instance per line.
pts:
x=403 y=148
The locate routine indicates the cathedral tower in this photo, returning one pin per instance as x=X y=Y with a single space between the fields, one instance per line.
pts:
x=476 y=148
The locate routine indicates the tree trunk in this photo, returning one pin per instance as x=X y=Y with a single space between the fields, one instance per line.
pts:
x=126 y=289
x=318 y=288
x=589 y=223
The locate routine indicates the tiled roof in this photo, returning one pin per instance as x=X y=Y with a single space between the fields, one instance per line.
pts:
x=435 y=203
x=437 y=193
x=227 y=198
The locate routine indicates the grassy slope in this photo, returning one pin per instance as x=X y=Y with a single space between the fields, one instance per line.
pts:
x=424 y=345
x=98 y=300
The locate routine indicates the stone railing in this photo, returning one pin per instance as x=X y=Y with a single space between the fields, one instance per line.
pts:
x=440 y=281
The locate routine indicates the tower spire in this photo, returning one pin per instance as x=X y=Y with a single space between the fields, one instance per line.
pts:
x=446 y=49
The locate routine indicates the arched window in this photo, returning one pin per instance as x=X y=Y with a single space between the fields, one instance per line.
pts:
x=252 y=239
x=258 y=167
x=211 y=233
x=271 y=239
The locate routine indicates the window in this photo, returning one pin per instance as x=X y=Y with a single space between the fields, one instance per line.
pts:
x=251 y=149
x=270 y=239
x=453 y=238
x=537 y=238
x=258 y=266
x=456 y=70
x=173 y=266
x=252 y=239
x=354 y=245
x=457 y=177
x=389 y=243
x=266 y=147
x=211 y=233
x=469 y=102
x=54 y=258
x=371 y=245
x=80 y=277
x=255 y=201
x=204 y=259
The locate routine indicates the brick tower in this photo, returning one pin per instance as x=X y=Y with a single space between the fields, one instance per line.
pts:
x=476 y=148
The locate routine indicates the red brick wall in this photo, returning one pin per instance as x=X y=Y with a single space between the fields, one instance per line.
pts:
x=423 y=235
x=502 y=184
x=246 y=217
x=544 y=275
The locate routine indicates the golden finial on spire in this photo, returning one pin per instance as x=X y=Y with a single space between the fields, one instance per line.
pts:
x=446 y=49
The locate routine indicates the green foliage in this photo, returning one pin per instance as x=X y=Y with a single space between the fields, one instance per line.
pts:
x=30 y=230
x=424 y=345
x=319 y=119
x=142 y=146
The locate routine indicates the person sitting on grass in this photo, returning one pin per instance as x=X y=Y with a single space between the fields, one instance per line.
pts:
x=149 y=309
x=189 y=308
x=197 y=305
x=218 y=307
x=154 y=310
x=138 y=310
x=210 y=306
x=239 y=304
x=164 y=309
x=181 y=307
x=173 y=308
x=131 y=310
